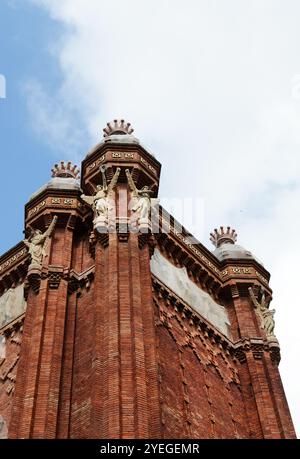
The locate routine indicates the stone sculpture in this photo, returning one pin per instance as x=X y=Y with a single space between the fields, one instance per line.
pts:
x=142 y=198
x=37 y=244
x=264 y=313
x=102 y=202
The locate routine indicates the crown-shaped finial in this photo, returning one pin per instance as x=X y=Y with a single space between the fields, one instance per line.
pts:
x=222 y=236
x=117 y=127
x=66 y=170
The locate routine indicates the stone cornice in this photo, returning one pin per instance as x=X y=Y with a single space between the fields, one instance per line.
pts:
x=56 y=273
x=12 y=257
x=54 y=200
x=195 y=256
x=13 y=266
x=14 y=324
x=102 y=148
x=121 y=155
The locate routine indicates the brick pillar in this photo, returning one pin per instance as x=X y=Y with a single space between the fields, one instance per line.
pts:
x=263 y=393
x=36 y=402
x=125 y=400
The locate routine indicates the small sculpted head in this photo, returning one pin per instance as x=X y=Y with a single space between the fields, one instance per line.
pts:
x=35 y=235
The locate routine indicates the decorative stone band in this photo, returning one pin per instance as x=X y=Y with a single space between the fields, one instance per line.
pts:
x=13 y=260
x=53 y=202
x=257 y=346
x=220 y=276
x=96 y=163
x=14 y=324
x=238 y=350
x=55 y=274
x=82 y=280
x=125 y=156
x=196 y=251
x=36 y=209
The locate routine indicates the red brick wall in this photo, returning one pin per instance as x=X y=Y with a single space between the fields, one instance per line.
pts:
x=200 y=389
x=108 y=356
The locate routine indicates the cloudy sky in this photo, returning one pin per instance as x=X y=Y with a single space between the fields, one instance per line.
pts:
x=212 y=88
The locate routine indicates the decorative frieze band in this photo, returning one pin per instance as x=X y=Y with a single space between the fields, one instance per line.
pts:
x=36 y=209
x=206 y=264
x=121 y=155
x=22 y=253
x=55 y=274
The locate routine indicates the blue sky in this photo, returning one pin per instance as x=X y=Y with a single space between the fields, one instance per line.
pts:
x=26 y=35
x=213 y=90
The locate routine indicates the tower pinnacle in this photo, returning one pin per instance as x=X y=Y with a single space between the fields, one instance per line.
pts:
x=117 y=127
x=65 y=170
x=221 y=236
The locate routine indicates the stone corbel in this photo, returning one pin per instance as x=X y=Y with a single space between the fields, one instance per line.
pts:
x=34 y=278
x=257 y=346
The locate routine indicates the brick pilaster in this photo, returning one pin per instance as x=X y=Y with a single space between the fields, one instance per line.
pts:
x=36 y=404
x=125 y=381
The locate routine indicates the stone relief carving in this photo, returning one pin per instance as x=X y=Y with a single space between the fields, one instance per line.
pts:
x=37 y=244
x=12 y=305
x=142 y=204
x=102 y=202
x=177 y=280
x=265 y=315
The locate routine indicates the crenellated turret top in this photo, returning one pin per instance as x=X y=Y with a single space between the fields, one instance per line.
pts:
x=224 y=239
x=117 y=127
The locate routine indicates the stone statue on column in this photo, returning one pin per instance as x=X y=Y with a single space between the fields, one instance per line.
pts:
x=265 y=314
x=37 y=244
x=102 y=202
x=142 y=198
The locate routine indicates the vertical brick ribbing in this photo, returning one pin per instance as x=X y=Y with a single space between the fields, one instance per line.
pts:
x=263 y=398
x=139 y=371
x=244 y=314
x=38 y=389
x=125 y=402
x=98 y=426
x=56 y=362
x=268 y=413
x=33 y=364
x=126 y=344
x=111 y=335
x=63 y=428
x=152 y=376
x=253 y=420
x=279 y=399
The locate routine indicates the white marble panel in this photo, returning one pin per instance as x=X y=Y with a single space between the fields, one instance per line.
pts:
x=177 y=280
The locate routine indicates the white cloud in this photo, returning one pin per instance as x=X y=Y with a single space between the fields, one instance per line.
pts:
x=208 y=85
x=53 y=119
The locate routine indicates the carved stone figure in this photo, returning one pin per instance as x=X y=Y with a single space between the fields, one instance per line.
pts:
x=266 y=315
x=142 y=205
x=37 y=244
x=102 y=202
